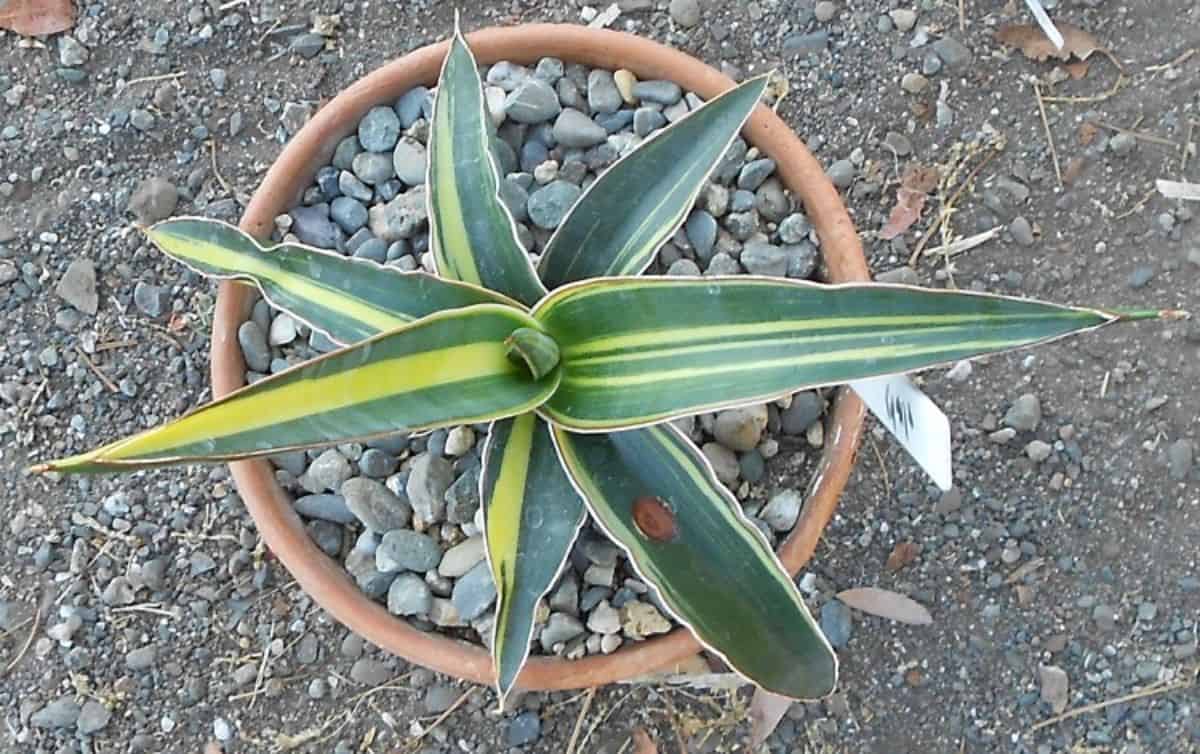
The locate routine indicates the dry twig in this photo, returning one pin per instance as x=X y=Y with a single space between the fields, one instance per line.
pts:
x=37 y=619
x=108 y=383
x=1037 y=90
x=583 y=710
x=945 y=212
x=160 y=77
x=1153 y=690
x=442 y=717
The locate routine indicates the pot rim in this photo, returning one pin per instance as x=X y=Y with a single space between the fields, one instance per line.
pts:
x=323 y=579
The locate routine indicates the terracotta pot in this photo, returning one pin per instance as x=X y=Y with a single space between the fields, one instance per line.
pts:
x=325 y=580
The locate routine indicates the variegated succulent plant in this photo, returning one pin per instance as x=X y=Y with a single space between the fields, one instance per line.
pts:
x=579 y=366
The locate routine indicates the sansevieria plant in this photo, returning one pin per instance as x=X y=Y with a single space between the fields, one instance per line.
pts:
x=579 y=366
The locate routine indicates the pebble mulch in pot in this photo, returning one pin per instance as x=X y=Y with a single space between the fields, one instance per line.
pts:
x=403 y=513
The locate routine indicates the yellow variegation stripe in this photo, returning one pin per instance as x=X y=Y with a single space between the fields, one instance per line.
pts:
x=448 y=368
x=504 y=510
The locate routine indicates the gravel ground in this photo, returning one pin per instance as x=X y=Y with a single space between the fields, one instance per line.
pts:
x=142 y=613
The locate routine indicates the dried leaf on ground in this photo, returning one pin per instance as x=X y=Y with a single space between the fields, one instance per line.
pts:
x=886 y=604
x=766 y=710
x=643 y=743
x=914 y=189
x=34 y=18
x=1087 y=133
x=1035 y=45
x=902 y=554
x=1077 y=68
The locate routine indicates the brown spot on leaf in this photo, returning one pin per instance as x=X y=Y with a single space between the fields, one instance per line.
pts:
x=654 y=518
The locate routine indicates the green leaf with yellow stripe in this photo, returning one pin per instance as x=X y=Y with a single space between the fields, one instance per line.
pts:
x=531 y=517
x=654 y=493
x=447 y=368
x=640 y=350
x=346 y=298
x=622 y=219
x=472 y=235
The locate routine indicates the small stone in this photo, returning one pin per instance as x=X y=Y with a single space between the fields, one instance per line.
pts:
x=71 y=52
x=1122 y=144
x=659 y=92
x=308 y=650
x=375 y=505
x=506 y=75
x=58 y=714
x=701 y=231
x=549 y=205
x=575 y=130
x=313 y=226
x=325 y=507
x=407 y=550
x=283 y=330
x=794 y=229
x=641 y=619
x=461 y=558
x=154 y=199
x=740 y=428
x=401 y=218
x=646 y=120
x=604 y=619
x=841 y=173
x=379 y=129
x=754 y=173
x=307 y=45
x=952 y=52
x=1141 y=276
x=349 y=214
x=761 y=258
x=375 y=168
x=1055 y=687
x=534 y=101
x=686 y=13
x=78 y=286
x=460 y=441
x=914 y=83
x=409 y=595
x=904 y=19
x=559 y=629
x=836 y=623
x=142 y=658
x=1038 y=450
x=409 y=108
x=429 y=478
x=254 y=346
x=626 y=81
x=898 y=143
x=903 y=275
x=1022 y=231
x=602 y=93
x=1105 y=617
x=523 y=729
x=328 y=471
x=1180 y=459
x=1025 y=413
x=799 y=45
x=474 y=592
x=724 y=462
x=825 y=11
x=782 y=510
x=410 y=161
x=295 y=115
x=151 y=300
x=368 y=672
x=802 y=259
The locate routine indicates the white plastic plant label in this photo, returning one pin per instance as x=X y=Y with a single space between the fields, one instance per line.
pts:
x=913 y=419
x=1048 y=27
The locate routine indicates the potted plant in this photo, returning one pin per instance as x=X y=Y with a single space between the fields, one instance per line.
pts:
x=577 y=364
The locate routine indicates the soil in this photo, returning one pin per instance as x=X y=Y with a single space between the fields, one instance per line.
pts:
x=1085 y=561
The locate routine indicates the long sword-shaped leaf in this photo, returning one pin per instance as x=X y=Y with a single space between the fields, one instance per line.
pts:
x=472 y=234
x=531 y=515
x=348 y=299
x=639 y=350
x=618 y=224
x=448 y=368
x=654 y=493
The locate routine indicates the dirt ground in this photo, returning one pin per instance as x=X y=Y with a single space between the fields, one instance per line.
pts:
x=1080 y=566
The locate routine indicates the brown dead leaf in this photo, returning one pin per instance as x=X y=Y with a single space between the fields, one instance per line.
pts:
x=1087 y=133
x=34 y=18
x=886 y=604
x=1074 y=169
x=902 y=554
x=1077 y=68
x=1035 y=45
x=766 y=710
x=643 y=743
x=914 y=189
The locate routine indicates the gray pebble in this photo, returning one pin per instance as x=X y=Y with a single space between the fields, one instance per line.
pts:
x=352 y=186
x=754 y=173
x=71 y=52
x=1180 y=459
x=307 y=45
x=794 y=228
x=325 y=507
x=327 y=472
x=549 y=205
x=1025 y=413
x=952 y=52
x=1122 y=144
x=349 y=214
x=841 y=173
x=506 y=75
x=575 y=130
x=1022 y=231
x=802 y=260
x=375 y=505
x=400 y=219
x=523 y=729
x=409 y=161
x=534 y=101
x=411 y=105
x=369 y=672
x=1141 y=276
x=151 y=300
x=806 y=408
x=836 y=623
x=253 y=342
x=559 y=629
x=782 y=510
x=154 y=199
x=313 y=226
x=377 y=463
x=474 y=592
x=78 y=286
x=344 y=153
x=903 y=275
x=761 y=258
x=805 y=44
x=374 y=168
x=409 y=595
x=58 y=714
x=430 y=476
x=659 y=92
x=646 y=120
x=142 y=658
x=379 y=129
x=407 y=550
x=686 y=13
x=701 y=231
x=602 y=93
x=93 y=718
x=439 y=697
